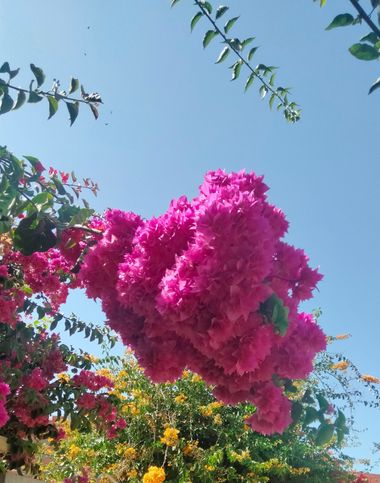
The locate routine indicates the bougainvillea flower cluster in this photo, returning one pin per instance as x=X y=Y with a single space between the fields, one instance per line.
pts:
x=190 y=289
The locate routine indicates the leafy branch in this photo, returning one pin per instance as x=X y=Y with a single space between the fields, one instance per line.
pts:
x=263 y=73
x=53 y=96
x=368 y=48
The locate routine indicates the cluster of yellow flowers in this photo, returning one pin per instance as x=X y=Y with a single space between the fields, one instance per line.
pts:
x=170 y=437
x=210 y=408
x=154 y=475
x=242 y=456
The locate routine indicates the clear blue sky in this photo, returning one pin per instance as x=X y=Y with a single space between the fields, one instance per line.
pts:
x=170 y=114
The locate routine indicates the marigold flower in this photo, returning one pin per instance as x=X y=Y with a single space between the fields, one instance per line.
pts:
x=190 y=448
x=62 y=376
x=181 y=398
x=132 y=474
x=154 y=475
x=340 y=366
x=218 y=420
x=130 y=453
x=369 y=378
x=170 y=437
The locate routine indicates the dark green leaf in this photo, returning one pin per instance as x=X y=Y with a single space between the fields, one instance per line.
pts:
x=73 y=108
x=53 y=106
x=249 y=82
x=5 y=69
x=228 y=26
x=221 y=11
x=38 y=74
x=21 y=98
x=6 y=104
x=364 y=52
x=323 y=403
x=252 y=52
x=174 y=2
x=74 y=85
x=374 y=86
x=297 y=410
x=94 y=111
x=311 y=415
x=372 y=38
x=195 y=20
x=34 y=97
x=342 y=20
x=207 y=6
x=209 y=35
x=223 y=55
x=13 y=73
x=324 y=434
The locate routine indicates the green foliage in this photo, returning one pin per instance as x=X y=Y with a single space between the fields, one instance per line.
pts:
x=183 y=429
x=236 y=46
x=53 y=96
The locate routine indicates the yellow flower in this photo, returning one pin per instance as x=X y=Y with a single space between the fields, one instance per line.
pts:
x=132 y=473
x=196 y=378
x=246 y=427
x=218 y=419
x=186 y=374
x=190 y=448
x=209 y=468
x=62 y=376
x=74 y=450
x=130 y=453
x=181 y=398
x=170 y=437
x=154 y=475
x=340 y=366
x=205 y=411
x=91 y=358
x=105 y=373
x=371 y=379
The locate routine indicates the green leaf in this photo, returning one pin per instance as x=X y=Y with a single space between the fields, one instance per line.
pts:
x=372 y=38
x=13 y=73
x=42 y=199
x=249 y=82
x=364 y=52
x=6 y=104
x=53 y=106
x=297 y=410
x=207 y=6
x=21 y=98
x=246 y=42
x=374 y=86
x=195 y=20
x=228 y=26
x=271 y=100
x=34 y=97
x=73 y=108
x=342 y=20
x=324 y=434
x=252 y=53
x=5 y=69
x=209 y=35
x=263 y=93
x=174 y=2
x=38 y=74
x=74 y=85
x=223 y=55
x=323 y=403
x=311 y=415
x=221 y=11
x=236 y=69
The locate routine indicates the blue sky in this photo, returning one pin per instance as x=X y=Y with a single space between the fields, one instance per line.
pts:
x=170 y=115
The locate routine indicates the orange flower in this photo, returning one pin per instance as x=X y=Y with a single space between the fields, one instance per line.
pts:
x=342 y=336
x=371 y=379
x=340 y=366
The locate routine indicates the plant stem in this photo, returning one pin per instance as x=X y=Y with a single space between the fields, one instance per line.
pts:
x=47 y=93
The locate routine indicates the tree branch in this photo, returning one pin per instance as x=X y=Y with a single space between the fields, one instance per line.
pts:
x=365 y=17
